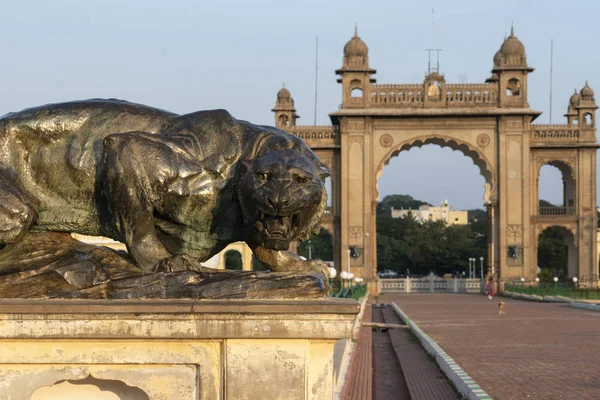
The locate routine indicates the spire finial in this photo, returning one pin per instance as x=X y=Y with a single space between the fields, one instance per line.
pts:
x=512 y=29
x=283 y=85
x=355 y=30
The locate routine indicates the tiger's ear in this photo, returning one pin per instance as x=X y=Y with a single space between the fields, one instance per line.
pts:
x=324 y=172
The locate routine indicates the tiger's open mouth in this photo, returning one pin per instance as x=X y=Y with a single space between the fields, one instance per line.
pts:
x=278 y=230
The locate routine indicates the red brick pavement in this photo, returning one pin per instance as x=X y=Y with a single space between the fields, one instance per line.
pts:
x=533 y=351
x=359 y=381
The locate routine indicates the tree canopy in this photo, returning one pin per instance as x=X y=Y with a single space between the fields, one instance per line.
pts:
x=405 y=243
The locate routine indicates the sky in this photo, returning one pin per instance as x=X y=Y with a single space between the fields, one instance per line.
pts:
x=186 y=56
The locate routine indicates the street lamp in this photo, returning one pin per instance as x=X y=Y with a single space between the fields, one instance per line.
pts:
x=332 y=272
x=555 y=279
x=575 y=282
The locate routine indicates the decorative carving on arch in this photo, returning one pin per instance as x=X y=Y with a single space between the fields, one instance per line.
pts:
x=386 y=140
x=483 y=140
x=485 y=166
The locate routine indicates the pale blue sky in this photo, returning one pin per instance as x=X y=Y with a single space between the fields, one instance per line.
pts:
x=191 y=55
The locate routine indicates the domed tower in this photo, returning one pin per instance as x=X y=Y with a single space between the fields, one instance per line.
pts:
x=510 y=72
x=572 y=112
x=586 y=109
x=355 y=74
x=285 y=112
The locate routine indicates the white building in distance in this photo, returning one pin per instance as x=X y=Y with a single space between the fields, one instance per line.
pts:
x=443 y=213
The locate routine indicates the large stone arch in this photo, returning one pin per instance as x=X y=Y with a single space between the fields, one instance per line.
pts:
x=570 y=235
x=486 y=169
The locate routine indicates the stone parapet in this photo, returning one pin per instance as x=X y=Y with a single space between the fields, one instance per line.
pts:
x=185 y=349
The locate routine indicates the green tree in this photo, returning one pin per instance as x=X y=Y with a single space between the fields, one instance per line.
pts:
x=405 y=243
x=321 y=246
x=233 y=260
x=552 y=251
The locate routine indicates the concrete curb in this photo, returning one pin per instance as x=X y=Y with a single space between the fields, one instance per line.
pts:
x=348 y=350
x=531 y=297
x=463 y=382
x=585 y=306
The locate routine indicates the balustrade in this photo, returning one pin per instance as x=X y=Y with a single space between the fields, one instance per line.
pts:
x=413 y=95
x=556 y=211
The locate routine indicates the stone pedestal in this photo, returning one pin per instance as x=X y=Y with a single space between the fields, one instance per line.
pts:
x=171 y=349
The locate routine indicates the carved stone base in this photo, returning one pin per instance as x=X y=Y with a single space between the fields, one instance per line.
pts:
x=54 y=265
x=171 y=349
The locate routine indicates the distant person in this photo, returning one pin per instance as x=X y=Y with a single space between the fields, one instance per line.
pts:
x=489 y=289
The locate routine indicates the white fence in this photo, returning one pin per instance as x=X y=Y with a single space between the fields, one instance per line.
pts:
x=430 y=284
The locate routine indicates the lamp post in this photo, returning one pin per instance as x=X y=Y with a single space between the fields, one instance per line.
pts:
x=481 y=261
x=555 y=279
x=348 y=259
x=575 y=283
x=309 y=250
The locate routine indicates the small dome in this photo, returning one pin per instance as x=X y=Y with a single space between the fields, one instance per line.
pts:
x=512 y=47
x=587 y=92
x=356 y=47
x=497 y=58
x=511 y=53
x=284 y=94
x=574 y=100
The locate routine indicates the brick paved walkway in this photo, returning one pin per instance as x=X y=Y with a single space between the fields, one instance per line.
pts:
x=533 y=351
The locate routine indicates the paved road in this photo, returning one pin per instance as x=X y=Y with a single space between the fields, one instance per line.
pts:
x=533 y=351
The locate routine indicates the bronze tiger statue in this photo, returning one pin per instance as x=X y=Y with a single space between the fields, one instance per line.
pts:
x=171 y=187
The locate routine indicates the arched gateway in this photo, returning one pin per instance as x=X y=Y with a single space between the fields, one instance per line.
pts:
x=491 y=123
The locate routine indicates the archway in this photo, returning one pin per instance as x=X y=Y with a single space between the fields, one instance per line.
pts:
x=557 y=253
x=233 y=260
x=490 y=121
x=433 y=226
x=554 y=197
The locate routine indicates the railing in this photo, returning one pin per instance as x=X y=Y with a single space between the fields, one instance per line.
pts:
x=413 y=95
x=429 y=284
x=555 y=132
x=563 y=289
x=470 y=95
x=556 y=211
x=314 y=132
x=410 y=95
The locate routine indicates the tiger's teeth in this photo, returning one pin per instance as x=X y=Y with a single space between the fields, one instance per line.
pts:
x=266 y=231
x=262 y=215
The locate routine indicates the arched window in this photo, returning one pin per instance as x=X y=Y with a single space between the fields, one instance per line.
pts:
x=587 y=119
x=284 y=121
x=356 y=88
x=513 y=87
x=356 y=92
x=556 y=189
x=233 y=260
